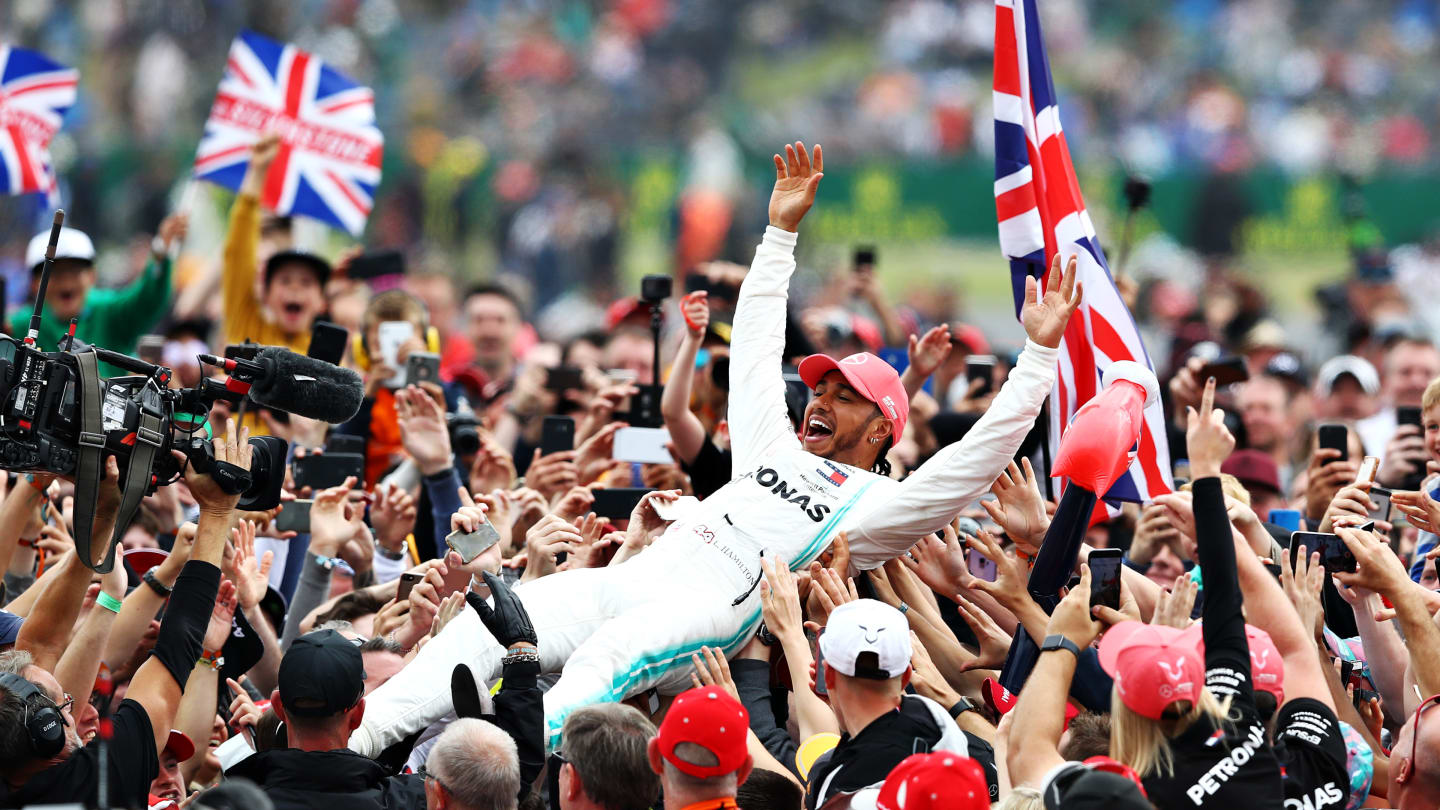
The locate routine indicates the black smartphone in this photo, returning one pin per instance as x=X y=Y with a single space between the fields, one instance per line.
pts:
x=981 y=367
x=327 y=342
x=617 y=504
x=1335 y=436
x=422 y=367
x=328 y=469
x=564 y=378
x=557 y=435
x=407 y=584
x=470 y=545
x=1362 y=696
x=1347 y=668
x=295 y=517
x=865 y=257
x=1335 y=556
x=1225 y=370
x=345 y=443
x=377 y=264
x=1410 y=415
x=820 y=688
x=1105 y=577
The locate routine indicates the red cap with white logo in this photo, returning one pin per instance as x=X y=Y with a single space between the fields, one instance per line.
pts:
x=871 y=377
x=1153 y=666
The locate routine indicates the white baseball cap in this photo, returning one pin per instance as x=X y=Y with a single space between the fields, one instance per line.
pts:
x=1357 y=367
x=73 y=244
x=867 y=626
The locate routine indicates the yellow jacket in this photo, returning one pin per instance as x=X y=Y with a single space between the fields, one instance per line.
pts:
x=244 y=314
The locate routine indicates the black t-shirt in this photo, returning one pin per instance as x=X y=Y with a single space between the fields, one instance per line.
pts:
x=1312 y=756
x=710 y=470
x=131 y=761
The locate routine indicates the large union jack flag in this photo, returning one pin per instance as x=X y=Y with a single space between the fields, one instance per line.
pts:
x=329 y=160
x=1041 y=212
x=34 y=95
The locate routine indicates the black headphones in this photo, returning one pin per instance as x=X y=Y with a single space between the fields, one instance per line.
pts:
x=45 y=727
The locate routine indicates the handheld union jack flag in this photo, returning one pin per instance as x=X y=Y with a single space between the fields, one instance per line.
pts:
x=1041 y=212
x=329 y=160
x=34 y=95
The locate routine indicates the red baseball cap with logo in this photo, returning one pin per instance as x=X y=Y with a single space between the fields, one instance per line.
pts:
x=871 y=377
x=1267 y=668
x=1153 y=666
x=1002 y=700
x=710 y=718
x=933 y=781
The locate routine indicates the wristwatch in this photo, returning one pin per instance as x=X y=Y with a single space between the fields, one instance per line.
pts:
x=963 y=705
x=1059 y=642
x=161 y=589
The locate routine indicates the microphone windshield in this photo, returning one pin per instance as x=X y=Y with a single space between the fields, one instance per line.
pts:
x=307 y=387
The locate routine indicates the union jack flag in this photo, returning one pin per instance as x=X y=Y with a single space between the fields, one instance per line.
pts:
x=1041 y=212
x=329 y=160
x=34 y=95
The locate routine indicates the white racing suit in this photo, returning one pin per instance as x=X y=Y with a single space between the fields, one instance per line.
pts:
x=619 y=631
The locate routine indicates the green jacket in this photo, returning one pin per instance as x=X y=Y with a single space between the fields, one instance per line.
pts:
x=113 y=319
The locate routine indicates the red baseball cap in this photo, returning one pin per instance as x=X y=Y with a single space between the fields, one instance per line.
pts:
x=1153 y=666
x=179 y=744
x=1267 y=668
x=939 y=780
x=871 y=377
x=970 y=337
x=1002 y=700
x=143 y=559
x=711 y=719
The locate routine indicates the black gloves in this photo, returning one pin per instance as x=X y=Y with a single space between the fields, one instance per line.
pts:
x=507 y=621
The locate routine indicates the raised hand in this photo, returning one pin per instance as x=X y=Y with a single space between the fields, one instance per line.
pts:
x=1420 y=509
x=939 y=563
x=1173 y=607
x=333 y=522
x=994 y=642
x=695 y=310
x=220 y=617
x=929 y=352
x=1018 y=507
x=780 y=598
x=797 y=177
x=713 y=670
x=1045 y=316
x=173 y=229
x=550 y=536
x=1206 y=437
x=508 y=621
x=252 y=577
x=393 y=516
x=423 y=432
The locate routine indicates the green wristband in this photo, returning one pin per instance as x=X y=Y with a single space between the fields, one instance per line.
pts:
x=108 y=602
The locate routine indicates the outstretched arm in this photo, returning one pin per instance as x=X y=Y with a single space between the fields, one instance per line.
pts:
x=686 y=431
x=962 y=472
x=758 y=423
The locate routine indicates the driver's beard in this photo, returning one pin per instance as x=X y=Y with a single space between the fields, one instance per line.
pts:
x=845 y=445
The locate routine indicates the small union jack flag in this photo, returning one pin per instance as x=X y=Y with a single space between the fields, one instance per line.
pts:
x=34 y=95
x=329 y=160
x=1041 y=213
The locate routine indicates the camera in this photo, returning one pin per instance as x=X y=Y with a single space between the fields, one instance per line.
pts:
x=655 y=288
x=464 y=433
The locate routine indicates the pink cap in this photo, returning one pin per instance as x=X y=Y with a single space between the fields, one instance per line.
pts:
x=873 y=378
x=1153 y=666
x=1267 y=668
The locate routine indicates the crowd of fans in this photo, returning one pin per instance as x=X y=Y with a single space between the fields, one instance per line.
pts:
x=241 y=659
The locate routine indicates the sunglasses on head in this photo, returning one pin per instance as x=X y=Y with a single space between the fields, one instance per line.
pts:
x=1406 y=770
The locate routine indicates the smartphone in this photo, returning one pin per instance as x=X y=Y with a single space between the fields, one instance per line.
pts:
x=393 y=335
x=1225 y=370
x=981 y=567
x=407 y=584
x=1367 y=470
x=1347 y=668
x=557 y=435
x=1105 y=577
x=864 y=257
x=345 y=443
x=1335 y=556
x=1406 y=415
x=1287 y=519
x=328 y=469
x=470 y=545
x=327 y=342
x=820 y=668
x=617 y=504
x=1362 y=696
x=1335 y=436
x=677 y=509
x=564 y=378
x=1381 y=496
x=422 y=367
x=981 y=367
x=377 y=264
x=150 y=348
x=295 y=517
x=643 y=445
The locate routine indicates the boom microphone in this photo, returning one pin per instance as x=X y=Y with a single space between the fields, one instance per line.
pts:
x=290 y=382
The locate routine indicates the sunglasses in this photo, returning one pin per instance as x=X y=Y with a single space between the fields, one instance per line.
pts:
x=1406 y=770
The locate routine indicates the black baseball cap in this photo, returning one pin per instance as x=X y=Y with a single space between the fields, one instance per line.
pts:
x=313 y=262
x=321 y=675
x=1083 y=788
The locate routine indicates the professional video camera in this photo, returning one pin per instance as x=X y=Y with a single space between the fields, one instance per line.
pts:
x=57 y=416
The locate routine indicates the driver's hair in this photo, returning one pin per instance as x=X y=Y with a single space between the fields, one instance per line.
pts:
x=882 y=463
